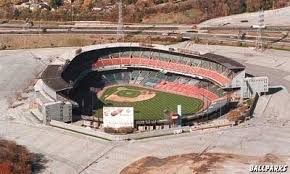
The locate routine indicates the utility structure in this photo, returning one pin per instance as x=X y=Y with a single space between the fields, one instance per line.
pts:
x=120 y=31
x=259 y=39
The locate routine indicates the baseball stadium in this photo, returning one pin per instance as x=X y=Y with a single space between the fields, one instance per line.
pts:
x=102 y=97
x=153 y=79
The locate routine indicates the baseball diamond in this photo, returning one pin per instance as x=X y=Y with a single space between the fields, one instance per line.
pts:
x=148 y=108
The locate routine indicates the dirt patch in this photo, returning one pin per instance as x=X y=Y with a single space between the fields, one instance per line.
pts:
x=185 y=17
x=144 y=95
x=271 y=159
x=24 y=41
x=197 y=163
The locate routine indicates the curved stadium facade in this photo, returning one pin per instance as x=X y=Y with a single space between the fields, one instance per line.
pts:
x=74 y=82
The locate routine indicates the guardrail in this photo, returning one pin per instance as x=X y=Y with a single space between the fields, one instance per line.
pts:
x=109 y=32
x=268 y=28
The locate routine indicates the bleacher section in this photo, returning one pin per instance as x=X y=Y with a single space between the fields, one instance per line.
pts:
x=172 y=58
x=188 y=90
x=211 y=87
x=203 y=69
x=109 y=79
x=160 y=81
x=210 y=66
x=126 y=77
x=134 y=76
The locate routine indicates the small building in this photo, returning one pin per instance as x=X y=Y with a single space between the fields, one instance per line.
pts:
x=50 y=105
x=253 y=85
x=48 y=109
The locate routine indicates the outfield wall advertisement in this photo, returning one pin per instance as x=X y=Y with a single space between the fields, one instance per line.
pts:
x=117 y=117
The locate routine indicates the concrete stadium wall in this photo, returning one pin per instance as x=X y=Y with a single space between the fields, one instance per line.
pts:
x=50 y=92
x=254 y=104
x=237 y=81
x=111 y=137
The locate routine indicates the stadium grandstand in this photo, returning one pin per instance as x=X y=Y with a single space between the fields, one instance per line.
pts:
x=85 y=80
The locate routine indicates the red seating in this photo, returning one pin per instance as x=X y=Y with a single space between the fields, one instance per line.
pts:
x=145 y=61
x=152 y=63
x=116 y=61
x=158 y=63
x=163 y=64
x=125 y=61
x=99 y=63
x=170 y=66
x=188 y=90
x=107 y=62
x=135 y=61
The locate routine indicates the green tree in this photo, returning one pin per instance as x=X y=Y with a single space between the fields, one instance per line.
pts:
x=55 y=3
x=16 y=13
x=244 y=7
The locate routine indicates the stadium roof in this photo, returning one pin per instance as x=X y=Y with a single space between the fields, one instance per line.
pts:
x=52 y=78
x=227 y=62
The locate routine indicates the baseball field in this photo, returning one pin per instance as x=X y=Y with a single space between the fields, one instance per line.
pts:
x=148 y=104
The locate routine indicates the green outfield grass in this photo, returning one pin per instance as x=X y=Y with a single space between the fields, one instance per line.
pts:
x=152 y=109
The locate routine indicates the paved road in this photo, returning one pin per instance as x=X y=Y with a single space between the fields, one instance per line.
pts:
x=277 y=17
x=94 y=28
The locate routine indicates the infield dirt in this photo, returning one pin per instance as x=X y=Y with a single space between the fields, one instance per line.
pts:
x=144 y=95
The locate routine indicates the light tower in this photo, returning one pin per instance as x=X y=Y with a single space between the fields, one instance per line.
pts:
x=260 y=27
x=120 y=31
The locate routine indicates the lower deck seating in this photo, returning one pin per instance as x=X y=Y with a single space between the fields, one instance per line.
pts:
x=160 y=81
x=109 y=78
x=187 y=89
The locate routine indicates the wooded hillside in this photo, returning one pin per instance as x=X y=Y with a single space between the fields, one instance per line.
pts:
x=161 y=11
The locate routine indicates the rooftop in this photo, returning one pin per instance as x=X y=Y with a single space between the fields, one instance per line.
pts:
x=52 y=78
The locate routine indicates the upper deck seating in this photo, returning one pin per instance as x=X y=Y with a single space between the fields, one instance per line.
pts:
x=166 y=65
